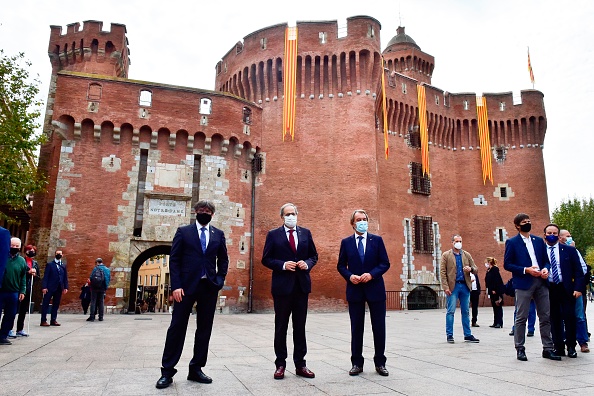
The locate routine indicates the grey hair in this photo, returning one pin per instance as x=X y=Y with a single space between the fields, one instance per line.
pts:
x=204 y=204
x=358 y=211
x=288 y=204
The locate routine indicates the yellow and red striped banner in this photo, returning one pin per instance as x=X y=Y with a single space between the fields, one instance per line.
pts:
x=422 y=101
x=530 y=69
x=384 y=111
x=485 y=141
x=290 y=79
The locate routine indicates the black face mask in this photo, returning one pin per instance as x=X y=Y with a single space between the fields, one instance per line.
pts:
x=58 y=256
x=203 y=218
x=14 y=251
x=526 y=227
x=31 y=254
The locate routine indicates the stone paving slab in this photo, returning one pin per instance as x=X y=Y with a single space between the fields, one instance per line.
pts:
x=122 y=356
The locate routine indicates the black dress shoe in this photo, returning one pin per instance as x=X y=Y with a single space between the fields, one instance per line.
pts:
x=571 y=353
x=522 y=355
x=199 y=376
x=164 y=382
x=559 y=352
x=530 y=334
x=550 y=355
x=355 y=370
x=381 y=370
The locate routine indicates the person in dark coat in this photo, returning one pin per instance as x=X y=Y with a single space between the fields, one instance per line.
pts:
x=475 y=293
x=85 y=296
x=495 y=289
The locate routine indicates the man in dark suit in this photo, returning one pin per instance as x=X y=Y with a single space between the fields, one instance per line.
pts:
x=362 y=261
x=290 y=252
x=4 y=249
x=198 y=264
x=53 y=285
x=526 y=258
x=566 y=280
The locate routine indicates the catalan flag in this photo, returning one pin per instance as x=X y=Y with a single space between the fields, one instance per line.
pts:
x=485 y=141
x=384 y=111
x=290 y=79
x=530 y=69
x=422 y=101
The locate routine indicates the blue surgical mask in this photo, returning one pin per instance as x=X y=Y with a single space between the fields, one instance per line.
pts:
x=569 y=241
x=361 y=226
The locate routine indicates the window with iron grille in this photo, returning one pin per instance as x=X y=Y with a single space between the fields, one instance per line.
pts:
x=419 y=183
x=414 y=137
x=423 y=234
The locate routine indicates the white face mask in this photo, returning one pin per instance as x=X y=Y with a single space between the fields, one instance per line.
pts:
x=458 y=245
x=291 y=221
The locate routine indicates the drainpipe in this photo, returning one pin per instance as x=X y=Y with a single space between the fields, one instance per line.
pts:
x=256 y=168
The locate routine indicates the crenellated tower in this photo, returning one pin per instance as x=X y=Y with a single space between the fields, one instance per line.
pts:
x=404 y=56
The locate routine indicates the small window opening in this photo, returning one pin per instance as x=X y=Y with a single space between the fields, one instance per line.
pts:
x=205 y=106
x=323 y=37
x=247 y=115
x=146 y=98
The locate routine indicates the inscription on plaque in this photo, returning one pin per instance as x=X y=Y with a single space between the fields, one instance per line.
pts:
x=167 y=207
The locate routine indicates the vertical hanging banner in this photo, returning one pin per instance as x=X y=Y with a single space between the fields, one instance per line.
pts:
x=289 y=79
x=422 y=102
x=384 y=112
x=485 y=141
x=530 y=69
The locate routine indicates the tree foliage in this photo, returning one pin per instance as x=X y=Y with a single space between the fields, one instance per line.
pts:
x=19 y=137
x=577 y=216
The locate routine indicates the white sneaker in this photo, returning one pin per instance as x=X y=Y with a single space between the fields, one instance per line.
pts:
x=11 y=334
x=22 y=333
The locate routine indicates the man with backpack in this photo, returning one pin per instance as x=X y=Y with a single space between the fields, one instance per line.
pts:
x=99 y=280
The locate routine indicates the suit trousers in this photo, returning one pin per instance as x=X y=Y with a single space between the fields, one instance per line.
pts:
x=23 y=309
x=562 y=312
x=55 y=296
x=293 y=305
x=474 y=302
x=97 y=303
x=497 y=309
x=9 y=302
x=206 y=301
x=539 y=292
x=377 y=312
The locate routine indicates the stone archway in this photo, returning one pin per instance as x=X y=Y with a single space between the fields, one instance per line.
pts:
x=422 y=297
x=140 y=256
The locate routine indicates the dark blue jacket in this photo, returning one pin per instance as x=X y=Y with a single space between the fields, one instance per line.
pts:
x=516 y=258
x=54 y=279
x=4 y=250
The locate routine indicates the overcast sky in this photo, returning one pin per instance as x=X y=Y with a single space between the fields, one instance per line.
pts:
x=478 y=45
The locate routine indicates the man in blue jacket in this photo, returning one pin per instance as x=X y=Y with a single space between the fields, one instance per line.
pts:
x=99 y=282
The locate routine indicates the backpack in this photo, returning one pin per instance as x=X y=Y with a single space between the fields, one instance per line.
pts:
x=97 y=279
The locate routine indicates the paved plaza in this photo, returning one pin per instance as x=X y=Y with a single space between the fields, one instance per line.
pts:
x=122 y=355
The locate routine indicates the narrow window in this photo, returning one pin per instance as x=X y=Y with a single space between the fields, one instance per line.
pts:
x=146 y=98
x=94 y=92
x=370 y=31
x=263 y=42
x=419 y=183
x=323 y=37
x=500 y=234
x=205 y=106
x=247 y=115
x=238 y=47
x=465 y=104
x=501 y=106
x=423 y=234
x=403 y=88
x=503 y=192
x=437 y=100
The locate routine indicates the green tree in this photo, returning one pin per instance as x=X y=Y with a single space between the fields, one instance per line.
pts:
x=19 y=111
x=589 y=257
x=577 y=216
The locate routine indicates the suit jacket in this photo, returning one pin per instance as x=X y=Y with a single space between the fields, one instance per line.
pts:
x=447 y=269
x=516 y=258
x=571 y=269
x=54 y=279
x=4 y=250
x=277 y=251
x=494 y=282
x=375 y=262
x=186 y=259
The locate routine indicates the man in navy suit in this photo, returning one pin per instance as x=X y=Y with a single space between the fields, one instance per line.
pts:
x=4 y=249
x=362 y=261
x=53 y=285
x=290 y=252
x=526 y=258
x=198 y=264
x=566 y=280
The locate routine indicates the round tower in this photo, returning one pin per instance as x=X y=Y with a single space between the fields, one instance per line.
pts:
x=404 y=56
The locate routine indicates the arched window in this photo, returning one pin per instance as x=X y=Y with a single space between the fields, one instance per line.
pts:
x=145 y=98
x=205 y=106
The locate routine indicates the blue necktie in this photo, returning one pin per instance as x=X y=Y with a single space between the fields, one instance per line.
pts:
x=360 y=248
x=554 y=270
x=203 y=239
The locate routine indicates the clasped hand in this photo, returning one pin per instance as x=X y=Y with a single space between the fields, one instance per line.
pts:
x=291 y=265
x=364 y=278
